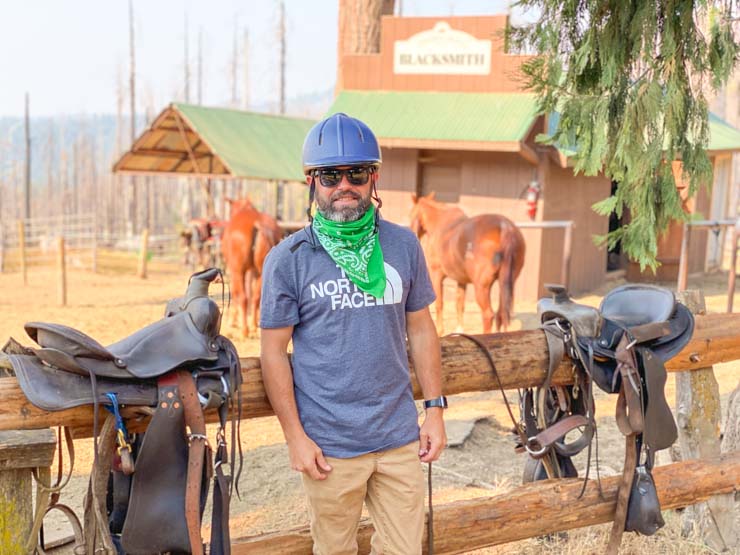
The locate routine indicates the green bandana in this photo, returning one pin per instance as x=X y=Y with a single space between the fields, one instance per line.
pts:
x=355 y=247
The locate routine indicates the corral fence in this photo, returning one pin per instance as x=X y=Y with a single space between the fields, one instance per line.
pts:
x=34 y=242
x=715 y=226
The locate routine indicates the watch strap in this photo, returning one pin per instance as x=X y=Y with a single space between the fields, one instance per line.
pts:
x=440 y=402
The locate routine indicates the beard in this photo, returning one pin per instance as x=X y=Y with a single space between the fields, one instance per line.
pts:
x=345 y=214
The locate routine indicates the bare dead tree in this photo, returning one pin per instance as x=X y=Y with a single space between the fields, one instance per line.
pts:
x=27 y=211
x=186 y=62
x=200 y=66
x=359 y=28
x=281 y=42
x=234 y=68
x=50 y=170
x=245 y=70
x=132 y=96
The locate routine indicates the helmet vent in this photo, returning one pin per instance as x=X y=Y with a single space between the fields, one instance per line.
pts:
x=340 y=137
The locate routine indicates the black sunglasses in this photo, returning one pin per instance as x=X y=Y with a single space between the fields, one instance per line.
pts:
x=331 y=177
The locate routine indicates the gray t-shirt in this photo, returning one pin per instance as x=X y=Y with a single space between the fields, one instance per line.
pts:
x=350 y=364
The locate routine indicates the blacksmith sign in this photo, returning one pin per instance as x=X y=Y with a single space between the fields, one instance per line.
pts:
x=442 y=50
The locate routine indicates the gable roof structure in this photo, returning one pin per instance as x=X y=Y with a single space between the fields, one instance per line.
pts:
x=448 y=120
x=471 y=121
x=185 y=139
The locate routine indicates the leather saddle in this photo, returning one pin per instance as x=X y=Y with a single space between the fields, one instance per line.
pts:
x=181 y=365
x=621 y=347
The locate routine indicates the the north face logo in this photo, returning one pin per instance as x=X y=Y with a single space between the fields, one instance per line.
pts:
x=342 y=293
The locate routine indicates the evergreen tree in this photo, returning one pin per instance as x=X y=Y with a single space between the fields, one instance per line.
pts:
x=628 y=79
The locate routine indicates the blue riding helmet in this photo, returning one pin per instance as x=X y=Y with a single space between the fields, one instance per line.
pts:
x=340 y=140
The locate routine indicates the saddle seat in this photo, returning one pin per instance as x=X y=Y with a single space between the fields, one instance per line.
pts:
x=186 y=334
x=59 y=374
x=637 y=304
x=147 y=353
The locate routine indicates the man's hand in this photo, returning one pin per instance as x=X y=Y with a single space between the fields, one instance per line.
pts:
x=432 y=436
x=306 y=457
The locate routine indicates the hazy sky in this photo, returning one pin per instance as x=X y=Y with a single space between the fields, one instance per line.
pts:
x=69 y=54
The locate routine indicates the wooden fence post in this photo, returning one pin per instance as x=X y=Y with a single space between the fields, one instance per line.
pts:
x=143 y=255
x=20 y=453
x=683 y=263
x=567 y=250
x=94 y=264
x=62 y=267
x=22 y=249
x=698 y=415
x=2 y=248
x=732 y=274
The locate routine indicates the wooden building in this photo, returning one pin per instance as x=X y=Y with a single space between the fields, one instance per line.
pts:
x=445 y=100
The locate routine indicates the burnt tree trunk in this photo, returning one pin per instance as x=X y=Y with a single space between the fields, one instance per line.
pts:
x=359 y=28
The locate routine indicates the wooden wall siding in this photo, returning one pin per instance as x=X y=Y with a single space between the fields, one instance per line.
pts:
x=375 y=71
x=398 y=181
x=569 y=197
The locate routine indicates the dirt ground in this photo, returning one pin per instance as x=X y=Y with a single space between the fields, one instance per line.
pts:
x=108 y=306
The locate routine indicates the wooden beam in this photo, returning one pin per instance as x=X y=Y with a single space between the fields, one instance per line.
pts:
x=175 y=174
x=521 y=360
x=162 y=153
x=488 y=146
x=529 y=511
x=529 y=154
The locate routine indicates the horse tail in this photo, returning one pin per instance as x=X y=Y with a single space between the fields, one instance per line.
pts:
x=511 y=258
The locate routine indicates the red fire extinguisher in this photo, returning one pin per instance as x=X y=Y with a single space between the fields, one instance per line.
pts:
x=532 y=195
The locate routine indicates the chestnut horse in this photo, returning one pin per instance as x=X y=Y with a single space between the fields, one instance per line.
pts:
x=247 y=238
x=478 y=250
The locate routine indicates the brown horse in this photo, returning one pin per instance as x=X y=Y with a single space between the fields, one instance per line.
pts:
x=247 y=238
x=476 y=250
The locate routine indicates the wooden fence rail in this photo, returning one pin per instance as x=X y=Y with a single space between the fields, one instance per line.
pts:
x=521 y=360
x=531 y=510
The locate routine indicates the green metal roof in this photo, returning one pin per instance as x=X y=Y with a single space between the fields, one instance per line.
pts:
x=722 y=135
x=258 y=146
x=445 y=116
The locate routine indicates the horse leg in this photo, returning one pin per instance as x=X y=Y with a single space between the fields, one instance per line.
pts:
x=238 y=277
x=461 y=289
x=244 y=304
x=483 y=298
x=256 y=298
x=437 y=283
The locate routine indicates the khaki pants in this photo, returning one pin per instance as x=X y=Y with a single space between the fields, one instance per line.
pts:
x=391 y=483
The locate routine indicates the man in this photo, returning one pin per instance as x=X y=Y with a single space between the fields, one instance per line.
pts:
x=347 y=290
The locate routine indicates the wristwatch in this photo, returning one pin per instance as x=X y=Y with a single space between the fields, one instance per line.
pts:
x=440 y=401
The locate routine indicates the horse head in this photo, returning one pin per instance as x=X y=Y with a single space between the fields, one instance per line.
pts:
x=240 y=204
x=418 y=215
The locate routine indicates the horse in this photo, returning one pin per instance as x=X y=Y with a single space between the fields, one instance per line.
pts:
x=248 y=237
x=477 y=250
x=199 y=242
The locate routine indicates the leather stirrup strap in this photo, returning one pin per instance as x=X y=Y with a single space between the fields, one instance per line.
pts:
x=48 y=494
x=195 y=422
x=430 y=515
x=97 y=533
x=623 y=495
x=518 y=428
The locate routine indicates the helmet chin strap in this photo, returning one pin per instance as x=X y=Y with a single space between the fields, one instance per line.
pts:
x=311 y=194
x=376 y=198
